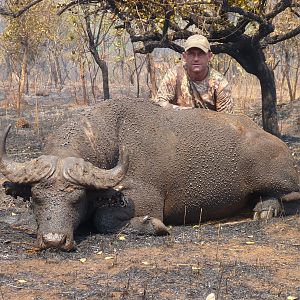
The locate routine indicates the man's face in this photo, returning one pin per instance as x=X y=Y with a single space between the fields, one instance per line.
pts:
x=196 y=60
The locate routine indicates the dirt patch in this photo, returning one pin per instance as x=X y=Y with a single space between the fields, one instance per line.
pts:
x=240 y=259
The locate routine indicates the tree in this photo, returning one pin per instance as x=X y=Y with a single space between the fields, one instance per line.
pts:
x=92 y=28
x=239 y=28
x=24 y=37
x=94 y=40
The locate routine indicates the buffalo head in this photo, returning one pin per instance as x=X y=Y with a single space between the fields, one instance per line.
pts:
x=59 y=188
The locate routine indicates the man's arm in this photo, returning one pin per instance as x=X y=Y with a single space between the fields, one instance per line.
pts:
x=166 y=91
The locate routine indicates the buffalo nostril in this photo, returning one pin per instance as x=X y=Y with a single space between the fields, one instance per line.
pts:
x=54 y=240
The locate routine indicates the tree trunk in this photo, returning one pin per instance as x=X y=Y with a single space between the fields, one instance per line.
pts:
x=8 y=70
x=58 y=70
x=152 y=75
x=100 y=62
x=251 y=57
x=269 y=100
x=292 y=87
x=23 y=78
x=53 y=71
x=287 y=72
x=104 y=69
x=83 y=82
x=103 y=66
x=137 y=75
x=26 y=89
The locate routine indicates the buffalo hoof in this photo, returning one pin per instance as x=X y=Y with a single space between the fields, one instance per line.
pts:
x=148 y=226
x=267 y=209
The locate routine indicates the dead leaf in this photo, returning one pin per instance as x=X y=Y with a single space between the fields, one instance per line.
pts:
x=211 y=296
x=250 y=243
x=33 y=250
x=82 y=260
x=292 y=298
x=145 y=263
x=108 y=257
x=22 y=281
x=122 y=238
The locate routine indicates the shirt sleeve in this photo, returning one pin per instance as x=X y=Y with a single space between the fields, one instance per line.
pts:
x=224 y=101
x=166 y=91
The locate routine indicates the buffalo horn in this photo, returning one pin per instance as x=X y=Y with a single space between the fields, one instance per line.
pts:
x=81 y=172
x=27 y=172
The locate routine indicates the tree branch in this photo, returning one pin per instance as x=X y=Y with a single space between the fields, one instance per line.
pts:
x=74 y=3
x=230 y=34
x=5 y=12
x=150 y=46
x=295 y=12
x=249 y=15
x=279 y=7
x=264 y=30
x=282 y=37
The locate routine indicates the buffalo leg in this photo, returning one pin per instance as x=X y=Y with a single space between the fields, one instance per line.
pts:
x=148 y=210
x=148 y=201
x=142 y=212
x=266 y=209
x=113 y=218
x=146 y=226
x=116 y=219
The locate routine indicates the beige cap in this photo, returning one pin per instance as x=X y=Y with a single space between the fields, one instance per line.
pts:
x=197 y=41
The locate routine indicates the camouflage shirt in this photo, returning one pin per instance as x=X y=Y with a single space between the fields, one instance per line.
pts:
x=211 y=93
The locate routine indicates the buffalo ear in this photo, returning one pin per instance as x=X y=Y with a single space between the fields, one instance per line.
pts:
x=15 y=190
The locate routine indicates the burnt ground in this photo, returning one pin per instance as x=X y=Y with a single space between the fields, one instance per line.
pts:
x=234 y=258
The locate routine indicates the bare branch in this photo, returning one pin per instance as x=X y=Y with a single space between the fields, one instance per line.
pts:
x=242 y=12
x=295 y=12
x=74 y=3
x=279 y=7
x=67 y=6
x=282 y=37
x=264 y=31
x=167 y=23
x=146 y=37
x=230 y=34
x=5 y=12
x=150 y=46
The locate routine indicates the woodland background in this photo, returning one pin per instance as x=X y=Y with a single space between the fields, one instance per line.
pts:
x=93 y=50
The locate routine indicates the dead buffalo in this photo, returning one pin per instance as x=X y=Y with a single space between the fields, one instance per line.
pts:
x=175 y=164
